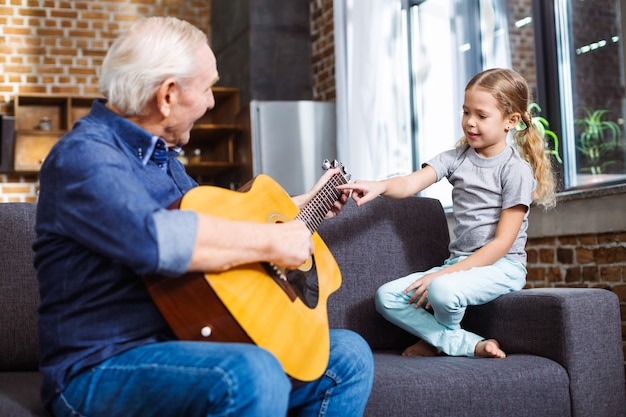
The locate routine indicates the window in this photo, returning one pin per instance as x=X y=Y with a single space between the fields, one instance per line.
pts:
x=591 y=90
x=571 y=53
x=449 y=42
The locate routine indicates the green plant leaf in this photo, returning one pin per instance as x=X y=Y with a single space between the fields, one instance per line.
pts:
x=542 y=126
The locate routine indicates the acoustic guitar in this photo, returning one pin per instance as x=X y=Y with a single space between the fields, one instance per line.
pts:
x=283 y=311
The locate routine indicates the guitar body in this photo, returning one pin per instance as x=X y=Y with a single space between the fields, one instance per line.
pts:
x=268 y=312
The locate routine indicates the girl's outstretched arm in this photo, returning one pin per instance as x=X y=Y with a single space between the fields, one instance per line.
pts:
x=396 y=187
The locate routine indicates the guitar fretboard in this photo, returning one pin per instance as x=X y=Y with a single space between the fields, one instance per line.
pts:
x=314 y=212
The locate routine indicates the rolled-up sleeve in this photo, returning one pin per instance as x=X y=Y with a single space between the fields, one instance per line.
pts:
x=176 y=235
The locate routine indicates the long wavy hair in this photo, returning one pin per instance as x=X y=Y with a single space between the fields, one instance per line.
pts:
x=511 y=91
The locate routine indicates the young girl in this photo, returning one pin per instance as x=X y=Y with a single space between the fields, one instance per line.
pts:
x=494 y=185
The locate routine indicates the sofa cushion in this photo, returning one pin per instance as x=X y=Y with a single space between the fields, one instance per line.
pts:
x=580 y=328
x=19 y=296
x=398 y=249
x=19 y=394
x=519 y=385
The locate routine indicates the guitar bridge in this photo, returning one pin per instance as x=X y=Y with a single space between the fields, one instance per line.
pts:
x=278 y=272
x=296 y=283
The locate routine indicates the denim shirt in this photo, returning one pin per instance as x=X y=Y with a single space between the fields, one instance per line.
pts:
x=102 y=221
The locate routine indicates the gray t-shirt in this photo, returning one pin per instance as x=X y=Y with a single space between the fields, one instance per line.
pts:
x=482 y=188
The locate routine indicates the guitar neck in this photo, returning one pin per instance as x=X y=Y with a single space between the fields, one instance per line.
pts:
x=314 y=212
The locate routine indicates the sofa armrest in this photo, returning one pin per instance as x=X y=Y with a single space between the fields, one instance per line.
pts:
x=578 y=328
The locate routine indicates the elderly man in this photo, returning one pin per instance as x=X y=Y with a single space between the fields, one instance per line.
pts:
x=102 y=223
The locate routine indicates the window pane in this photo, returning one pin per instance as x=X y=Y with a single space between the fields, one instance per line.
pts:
x=595 y=119
x=436 y=53
x=451 y=40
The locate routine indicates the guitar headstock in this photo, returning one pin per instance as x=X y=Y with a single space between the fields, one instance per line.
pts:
x=326 y=165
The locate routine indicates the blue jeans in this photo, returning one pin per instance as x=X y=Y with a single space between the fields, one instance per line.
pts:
x=449 y=296
x=191 y=379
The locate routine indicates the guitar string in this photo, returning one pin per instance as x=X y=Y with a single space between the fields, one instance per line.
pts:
x=319 y=204
x=314 y=212
x=314 y=207
x=328 y=196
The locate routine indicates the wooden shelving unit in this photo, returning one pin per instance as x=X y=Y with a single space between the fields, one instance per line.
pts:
x=40 y=120
x=219 y=152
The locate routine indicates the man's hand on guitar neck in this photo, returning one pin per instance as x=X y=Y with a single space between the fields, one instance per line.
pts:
x=303 y=199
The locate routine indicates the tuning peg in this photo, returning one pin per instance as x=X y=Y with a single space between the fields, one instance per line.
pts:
x=326 y=164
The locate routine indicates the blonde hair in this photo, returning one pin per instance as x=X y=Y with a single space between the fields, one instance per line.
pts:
x=151 y=51
x=511 y=91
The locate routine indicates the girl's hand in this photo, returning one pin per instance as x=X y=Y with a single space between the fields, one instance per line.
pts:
x=363 y=191
x=396 y=187
x=420 y=286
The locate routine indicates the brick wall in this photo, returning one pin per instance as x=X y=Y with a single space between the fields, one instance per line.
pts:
x=18 y=189
x=589 y=260
x=323 y=45
x=522 y=42
x=56 y=46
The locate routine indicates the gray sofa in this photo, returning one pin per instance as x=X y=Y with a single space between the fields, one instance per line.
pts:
x=565 y=352
x=564 y=346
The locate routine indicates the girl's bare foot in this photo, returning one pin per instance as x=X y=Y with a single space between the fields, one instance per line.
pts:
x=489 y=348
x=421 y=348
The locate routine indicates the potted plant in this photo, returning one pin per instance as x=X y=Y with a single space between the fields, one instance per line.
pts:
x=598 y=137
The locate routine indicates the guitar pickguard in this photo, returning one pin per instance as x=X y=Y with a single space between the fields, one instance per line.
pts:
x=301 y=283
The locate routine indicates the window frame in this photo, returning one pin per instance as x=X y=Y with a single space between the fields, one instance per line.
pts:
x=555 y=87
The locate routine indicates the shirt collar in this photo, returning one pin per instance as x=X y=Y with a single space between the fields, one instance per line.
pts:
x=143 y=142
x=146 y=154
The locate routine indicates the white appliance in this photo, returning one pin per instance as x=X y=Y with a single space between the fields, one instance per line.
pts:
x=291 y=139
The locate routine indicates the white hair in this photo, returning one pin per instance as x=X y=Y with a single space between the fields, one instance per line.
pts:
x=152 y=50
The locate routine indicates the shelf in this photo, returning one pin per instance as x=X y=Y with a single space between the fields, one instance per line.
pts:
x=220 y=139
x=221 y=143
x=31 y=150
x=209 y=168
x=40 y=121
x=214 y=132
x=215 y=127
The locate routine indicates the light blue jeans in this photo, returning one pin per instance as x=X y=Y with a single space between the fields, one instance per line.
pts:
x=449 y=295
x=190 y=379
